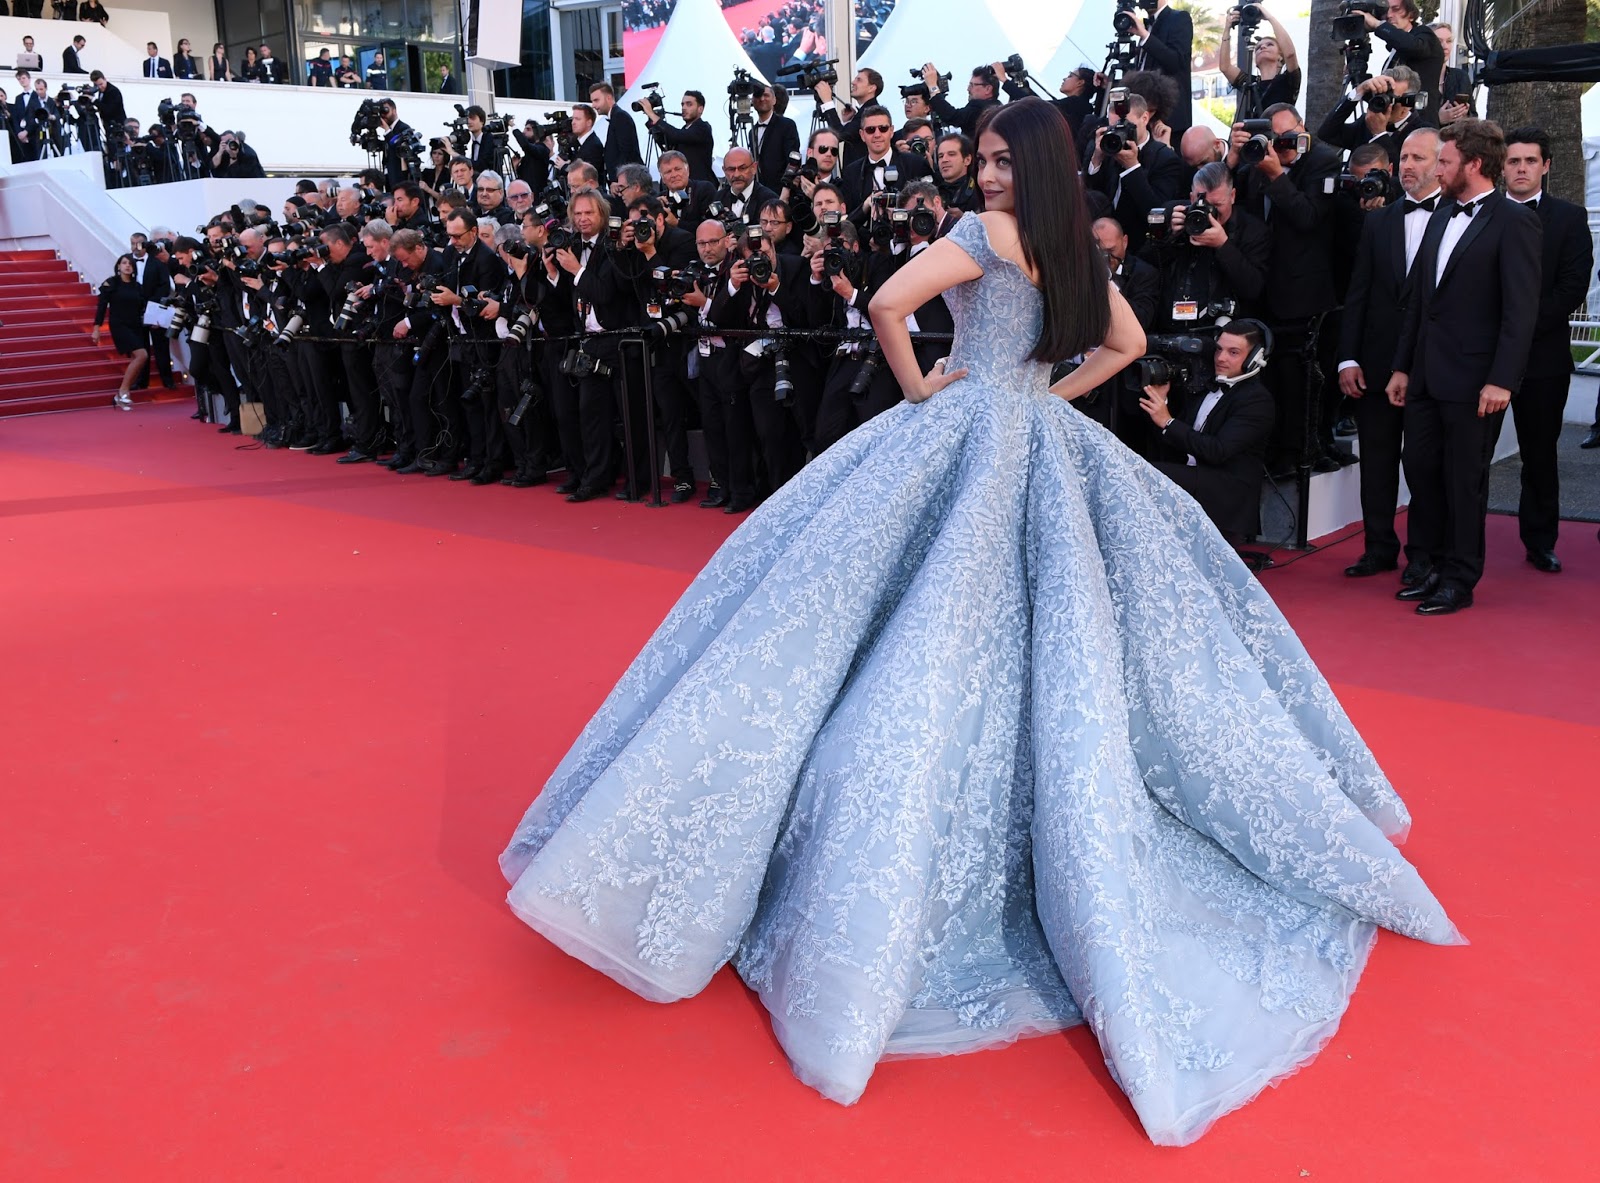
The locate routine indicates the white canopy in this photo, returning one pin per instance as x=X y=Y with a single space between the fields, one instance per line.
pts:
x=957 y=35
x=1083 y=45
x=697 y=51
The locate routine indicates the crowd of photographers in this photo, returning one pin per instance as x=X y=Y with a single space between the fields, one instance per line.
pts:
x=526 y=300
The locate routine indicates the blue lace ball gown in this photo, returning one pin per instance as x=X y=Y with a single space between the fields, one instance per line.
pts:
x=977 y=729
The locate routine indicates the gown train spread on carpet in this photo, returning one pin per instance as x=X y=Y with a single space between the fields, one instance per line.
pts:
x=977 y=729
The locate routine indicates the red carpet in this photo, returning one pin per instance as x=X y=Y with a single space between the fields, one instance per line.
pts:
x=268 y=721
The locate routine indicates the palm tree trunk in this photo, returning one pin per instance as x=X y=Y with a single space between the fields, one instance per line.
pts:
x=1324 y=60
x=1550 y=105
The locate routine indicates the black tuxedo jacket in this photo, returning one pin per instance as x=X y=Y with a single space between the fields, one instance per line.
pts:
x=1140 y=285
x=780 y=138
x=701 y=195
x=858 y=178
x=851 y=149
x=1568 y=262
x=485 y=153
x=481 y=268
x=746 y=308
x=694 y=141
x=273 y=70
x=963 y=118
x=622 y=143
x=1419 y=49
x=1300 y=283
x=611 y=294
x=156 y=68
x=590 y=151
x=1379 y=297
x=1473 y=325
x=1158 y=179
x=1169 y=50
x=755 y=197
x=157 y=278
x=1235 y=435
x=69 y=61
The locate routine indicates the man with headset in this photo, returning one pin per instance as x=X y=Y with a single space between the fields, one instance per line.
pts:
x=1224 y=443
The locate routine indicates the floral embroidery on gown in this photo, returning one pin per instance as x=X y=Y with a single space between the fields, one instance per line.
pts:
x=977 y=729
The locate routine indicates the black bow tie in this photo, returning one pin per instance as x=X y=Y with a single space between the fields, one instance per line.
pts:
x=1532 y=204
x=1426 y=204
x=1465 y=207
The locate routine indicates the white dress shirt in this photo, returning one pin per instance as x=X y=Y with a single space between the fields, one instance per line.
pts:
x=1455 y=230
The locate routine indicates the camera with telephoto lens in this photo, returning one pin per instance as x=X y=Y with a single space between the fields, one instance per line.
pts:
x=250 y=332
x=1179 y=360
x=184 y=121
x=782 y=383
x=351 y=308
x=293 y=327
x=578 y=364
x=366 y=129
x=181 y=316
x=529 y=395
x=810 y=75
x=1263 y=140
x=1198 y=215
x=1377 y=183
x=1383 y=101
x=652 y=100
x=871 y=362
x=522 y=328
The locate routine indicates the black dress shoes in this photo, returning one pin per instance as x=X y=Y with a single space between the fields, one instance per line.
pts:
x=466 y=474
x=524 y=480
x=585 y=493
x=1419 y=591
x=568 y=487
x=1445 y=601
x=1592 y=440
x=325 y=448
x=355 y=456
x=1369 y=565
x=1545 y=560
x=1414 y=574
x=739 y=505
x=715 y=498
x=682 y=491
x=487 y=476
x=409 y=468
x=439 y=468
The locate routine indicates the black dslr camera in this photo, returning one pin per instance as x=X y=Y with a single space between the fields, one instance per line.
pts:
x=1122 y=19
x=1179 y=360
x=1384 y=101
x=1377 y=183
x=835 y=256
x=1263 y=140
x=758 y=265
x=366 y=129
x=1348 y=25
x=578 y=364
x=1198 y=215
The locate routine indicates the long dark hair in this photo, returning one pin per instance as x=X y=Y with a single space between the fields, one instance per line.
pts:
x=1053 y=223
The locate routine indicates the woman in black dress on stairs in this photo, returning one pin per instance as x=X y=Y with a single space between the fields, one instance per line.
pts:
x=123 y=297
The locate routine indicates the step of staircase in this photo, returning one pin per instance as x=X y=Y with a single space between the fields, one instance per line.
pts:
x=48 y=361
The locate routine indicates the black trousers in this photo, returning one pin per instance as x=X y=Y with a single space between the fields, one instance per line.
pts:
x=1307 y=408
x=1380 y=430
x=246 y=379
x=361 y=396
x=716 y=387
x=764 y=428
x=635 y=445
x=392 y=363
x=840 y=412
x=278 y=396
x=209 y=364
x=436 y=429
x=669 y=384
x=1536 y=409
x=1446 y=454
x=476 y=359
x=561 y=413
x=516 y=369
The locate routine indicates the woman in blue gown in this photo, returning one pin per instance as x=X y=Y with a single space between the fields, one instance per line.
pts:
x=978 y=729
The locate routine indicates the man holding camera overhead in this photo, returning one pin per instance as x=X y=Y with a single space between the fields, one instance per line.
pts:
x=1390 y=117
x=1168 y=40
x=982 y=93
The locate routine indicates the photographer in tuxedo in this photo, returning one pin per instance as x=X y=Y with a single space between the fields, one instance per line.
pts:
x=870 y=174
x=866 y=90
x=1168 y=49
x=648 y=243
x=1567 y=264
x=1379 y=124
x=686 y=199
x=622 y=137
x=1382 y=285
x=983 y=92
x=1225 y=443
x=764 y=290
x=1290 y=188
x=1462 y=353
x=774 y=140
x=1411 y=43
x=1141 y=174
x=1224 y=261
x=741 y=195
x=693 y=139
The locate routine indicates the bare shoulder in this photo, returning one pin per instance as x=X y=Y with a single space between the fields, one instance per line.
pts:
x=1003 y=234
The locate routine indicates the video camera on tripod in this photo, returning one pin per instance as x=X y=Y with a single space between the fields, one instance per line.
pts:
x=810 y=75
x=1350 y=26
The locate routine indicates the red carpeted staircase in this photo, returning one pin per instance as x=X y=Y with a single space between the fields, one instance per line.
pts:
x=47 y=362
